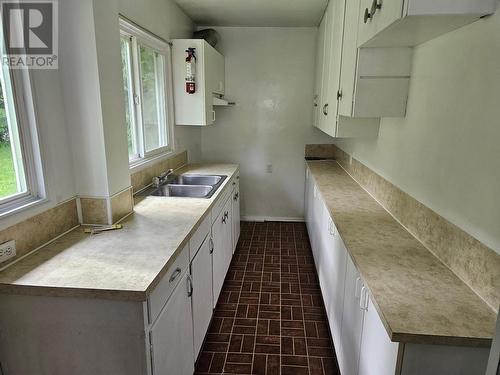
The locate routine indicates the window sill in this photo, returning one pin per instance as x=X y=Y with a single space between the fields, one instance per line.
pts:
x=24 y=205
x=140 y=164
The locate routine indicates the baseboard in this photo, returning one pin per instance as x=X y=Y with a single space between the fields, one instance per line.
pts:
x=272 y=218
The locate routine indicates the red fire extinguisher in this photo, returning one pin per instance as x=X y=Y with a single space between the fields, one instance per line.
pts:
x=191 y=71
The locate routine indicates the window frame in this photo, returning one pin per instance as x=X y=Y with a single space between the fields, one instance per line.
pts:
x=138 y=36
x=20 y=83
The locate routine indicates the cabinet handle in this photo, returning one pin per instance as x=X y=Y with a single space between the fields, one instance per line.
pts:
x=236 y=196
x=357 y=287
x=224 y=219
x=339 y=94
x=190 y=285
x=234 y=183
x=211 y=242
x=237 y=177
x=363 y=301
x=368 y=15
x=213 y=116
x=375 y=6
x=174 y=274
x=325 y=109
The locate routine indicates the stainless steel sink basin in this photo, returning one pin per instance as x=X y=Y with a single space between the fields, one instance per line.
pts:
x=187 y=186
x=193 y=179
x=193 y=191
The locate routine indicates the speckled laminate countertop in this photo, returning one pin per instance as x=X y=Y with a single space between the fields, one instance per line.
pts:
x=418 y=298
x=125 y=264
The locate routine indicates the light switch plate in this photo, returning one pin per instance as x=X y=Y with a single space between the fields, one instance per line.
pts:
x=7 y=250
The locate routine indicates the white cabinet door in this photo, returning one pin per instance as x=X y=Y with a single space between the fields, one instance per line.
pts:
x=309 y=199
x=228 y=233
x=378 y=355
x=215 y=71
x=333 y=62
x=317 y=217
x=236 y=215
x=222 y=248
x=218 y=256
x=334 y=263
x=201 y=274
x=352 y=322
x=172 y=334
x=319 y=78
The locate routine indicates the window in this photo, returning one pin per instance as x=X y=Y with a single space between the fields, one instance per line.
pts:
x=20 y=164
x=147 y=94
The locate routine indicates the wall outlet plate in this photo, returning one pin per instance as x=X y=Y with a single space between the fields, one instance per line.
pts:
x=7 y=250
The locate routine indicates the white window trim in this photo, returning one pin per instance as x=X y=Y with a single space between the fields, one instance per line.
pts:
x=30 y=145
x=130 y=29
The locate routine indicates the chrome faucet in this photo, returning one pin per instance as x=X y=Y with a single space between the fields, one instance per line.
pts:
x=158 y=180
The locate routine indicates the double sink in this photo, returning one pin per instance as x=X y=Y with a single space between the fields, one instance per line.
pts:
x=189 y=186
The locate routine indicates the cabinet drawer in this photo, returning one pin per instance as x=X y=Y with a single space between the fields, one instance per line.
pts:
x=164 y=289
x=199 y=236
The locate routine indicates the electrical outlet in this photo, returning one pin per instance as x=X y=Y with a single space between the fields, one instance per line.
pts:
x=7 y=250
x=269 y=168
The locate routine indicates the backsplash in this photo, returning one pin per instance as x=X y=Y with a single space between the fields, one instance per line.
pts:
x=476 y=264
x=143 y=178
x=40 y=229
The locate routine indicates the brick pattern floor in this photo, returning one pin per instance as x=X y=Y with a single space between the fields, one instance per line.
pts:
x=270 y=318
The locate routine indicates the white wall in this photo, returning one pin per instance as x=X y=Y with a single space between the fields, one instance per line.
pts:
x=270 y=75
x=446 y=152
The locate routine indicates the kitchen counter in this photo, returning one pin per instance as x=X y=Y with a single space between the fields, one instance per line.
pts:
x=125 y=264
x=418 y=298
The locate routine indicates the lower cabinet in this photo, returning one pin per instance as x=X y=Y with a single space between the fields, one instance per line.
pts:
x=171 y=336
x=352 y=322
x=201 y=274
x=236 y=214
x=361 y=341
x=222 y=248
x=160 y=336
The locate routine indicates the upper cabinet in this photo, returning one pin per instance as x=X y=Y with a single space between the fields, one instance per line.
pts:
x=364 y=56
x=197 y=108
x=402 y=23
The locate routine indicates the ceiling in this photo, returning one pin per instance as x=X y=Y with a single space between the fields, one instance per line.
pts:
x=277 y=13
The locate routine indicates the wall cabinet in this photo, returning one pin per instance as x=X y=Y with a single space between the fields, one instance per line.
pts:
x=362 y=344
x=364 y=55
x=402 y=23
x=337 y=74
x=171 y=336
x=197 y=109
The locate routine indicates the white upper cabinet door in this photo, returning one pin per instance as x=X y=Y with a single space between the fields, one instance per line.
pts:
x=320 y=60
x=236 y=215
x=378 y=355
x=333 y=62
x=172 y=334
x=201 y=274
x=215 y=70
x=352 y=322
x=399 y=23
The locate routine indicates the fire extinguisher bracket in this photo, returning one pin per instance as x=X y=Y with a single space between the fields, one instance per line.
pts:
x=191 y=71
